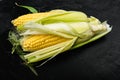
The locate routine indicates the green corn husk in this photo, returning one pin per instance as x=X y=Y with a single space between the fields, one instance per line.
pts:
x=74 y=25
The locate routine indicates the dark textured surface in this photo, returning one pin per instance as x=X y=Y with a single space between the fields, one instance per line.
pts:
x=99 y=60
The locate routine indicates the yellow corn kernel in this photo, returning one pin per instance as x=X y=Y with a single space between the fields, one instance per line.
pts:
x=36 y=42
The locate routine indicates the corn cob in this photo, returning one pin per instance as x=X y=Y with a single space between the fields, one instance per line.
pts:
x=36 y=42
x=30 y=17
x=25 y=18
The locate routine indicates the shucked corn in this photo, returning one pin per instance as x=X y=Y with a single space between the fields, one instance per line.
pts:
x=36 y=42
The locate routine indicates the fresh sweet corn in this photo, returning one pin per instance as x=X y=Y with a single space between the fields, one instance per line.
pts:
x=37 y=42
x=47 y=34
x=30 y=17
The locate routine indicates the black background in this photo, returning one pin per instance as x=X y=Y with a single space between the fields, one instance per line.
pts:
x=99 y=60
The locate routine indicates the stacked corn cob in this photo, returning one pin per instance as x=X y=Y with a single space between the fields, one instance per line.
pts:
x=47 y=34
